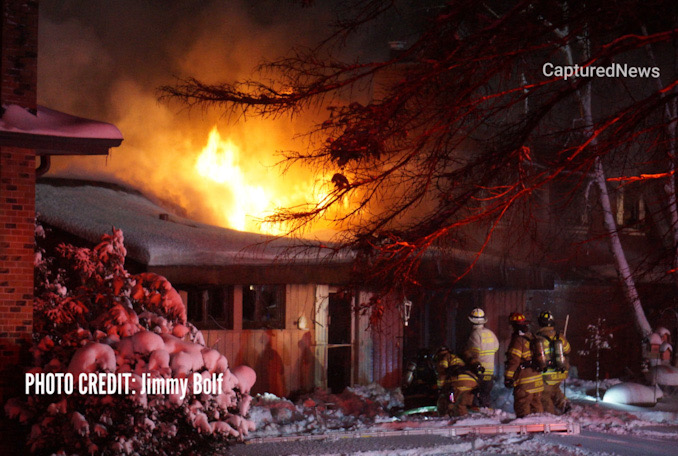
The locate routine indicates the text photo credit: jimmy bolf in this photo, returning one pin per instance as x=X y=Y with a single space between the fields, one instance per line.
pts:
x=121 y=383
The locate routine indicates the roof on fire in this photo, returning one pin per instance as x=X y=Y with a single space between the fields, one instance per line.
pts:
x=187 y=251
x=164 y=241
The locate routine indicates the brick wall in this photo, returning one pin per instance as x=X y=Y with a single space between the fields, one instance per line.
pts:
x=19 y=62
x=17 y=213
x=18 y=68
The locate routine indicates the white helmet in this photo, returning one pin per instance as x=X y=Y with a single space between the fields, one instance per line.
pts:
x=477 y=316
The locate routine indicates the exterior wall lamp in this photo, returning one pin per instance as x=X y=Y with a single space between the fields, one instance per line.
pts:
x=406 y=310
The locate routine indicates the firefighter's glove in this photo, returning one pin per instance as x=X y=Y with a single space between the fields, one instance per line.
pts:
x=508 y=383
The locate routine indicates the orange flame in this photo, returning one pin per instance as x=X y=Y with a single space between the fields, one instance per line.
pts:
x=253 y=194
x=219 y=161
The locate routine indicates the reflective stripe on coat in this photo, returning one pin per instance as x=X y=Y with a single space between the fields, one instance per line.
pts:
x=518 y=360
x=552 y=376
x=483 y=345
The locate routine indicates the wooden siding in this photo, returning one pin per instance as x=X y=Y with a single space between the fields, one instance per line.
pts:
x=295 y=360
x=387 y=340
x=283 y=359
x=364 y=359
x=320 y=325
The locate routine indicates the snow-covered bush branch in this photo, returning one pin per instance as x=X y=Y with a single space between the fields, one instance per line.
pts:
x=598 y=338
x=92 y=316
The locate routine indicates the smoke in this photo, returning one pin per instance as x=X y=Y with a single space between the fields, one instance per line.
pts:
x=104 y=60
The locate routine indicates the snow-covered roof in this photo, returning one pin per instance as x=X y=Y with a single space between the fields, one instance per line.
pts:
x=191 y=252
x=655 y=339
x=52 y=132
x=88 y=211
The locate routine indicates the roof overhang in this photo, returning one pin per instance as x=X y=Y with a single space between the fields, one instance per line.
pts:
x=277 y=272
x=58 y=145
x=51 y=132
x=467 y=269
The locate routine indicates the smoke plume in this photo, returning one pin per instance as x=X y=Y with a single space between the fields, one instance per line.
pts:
x=105 y=60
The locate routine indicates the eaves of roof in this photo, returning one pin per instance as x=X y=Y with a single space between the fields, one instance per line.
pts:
x=58 y=145
x=51 y=132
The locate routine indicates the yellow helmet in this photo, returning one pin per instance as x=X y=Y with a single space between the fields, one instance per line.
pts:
x=477 y=316
x=546 y=319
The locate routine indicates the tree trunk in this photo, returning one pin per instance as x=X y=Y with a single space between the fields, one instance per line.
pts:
x=623 y=268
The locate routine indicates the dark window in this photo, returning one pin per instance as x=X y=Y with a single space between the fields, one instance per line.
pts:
x=210 y=307
x=216 y=303
x=194 y=306
x=634 y=211
x=263 y=306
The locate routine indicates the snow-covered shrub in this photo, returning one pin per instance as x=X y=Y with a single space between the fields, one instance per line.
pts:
x=599 y=338
x=662 y=375
x=92 y=316
x=632 y=394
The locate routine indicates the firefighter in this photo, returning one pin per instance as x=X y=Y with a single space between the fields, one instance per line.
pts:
x=457 y=383
x=420 y=376
x=482 y=346
x=557 y=350
x=520 y=373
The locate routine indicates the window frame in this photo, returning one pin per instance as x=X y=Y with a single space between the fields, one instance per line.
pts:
x=254 y=318
x=209 y=295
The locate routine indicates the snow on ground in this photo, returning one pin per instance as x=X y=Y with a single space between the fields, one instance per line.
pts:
x=370 y=407
x=662 y=374
x=320 y=412
x=373 y=408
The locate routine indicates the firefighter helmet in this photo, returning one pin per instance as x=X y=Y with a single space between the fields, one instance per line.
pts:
x=546 y=319
x=517 y=317
x=477 y=316
x=519 y=320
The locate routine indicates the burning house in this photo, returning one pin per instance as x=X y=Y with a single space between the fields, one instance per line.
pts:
x=288 y=313
x=284 y=312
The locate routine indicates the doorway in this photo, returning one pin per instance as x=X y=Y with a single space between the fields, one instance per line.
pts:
x=339 y=347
